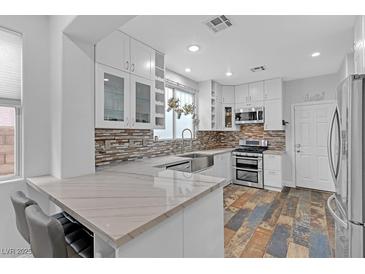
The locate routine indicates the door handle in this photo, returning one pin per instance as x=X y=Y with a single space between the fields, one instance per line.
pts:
x=127 y=65
x=298 y=147
x=132 y=67
x=333 y=213
x=334 y=173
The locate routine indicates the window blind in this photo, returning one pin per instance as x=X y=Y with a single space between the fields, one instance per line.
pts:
x=10 y=65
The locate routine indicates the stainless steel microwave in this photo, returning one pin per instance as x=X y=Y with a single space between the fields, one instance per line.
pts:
x=250 y=115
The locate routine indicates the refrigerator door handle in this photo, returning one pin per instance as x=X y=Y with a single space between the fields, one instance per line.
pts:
x=334 y=173
x=333 y=213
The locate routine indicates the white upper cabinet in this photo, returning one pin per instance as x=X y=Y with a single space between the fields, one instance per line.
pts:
x=141 y=102
x=112 y=99
x=273 y=89
x=120 y=51
x=142 y=58
x=130 y=91
x=273 y=114
x=228 y=94
x=227 y=115
x=113 y=51
x=217 y=91
x=359 y=45
x=241 y=94
x=256 y=91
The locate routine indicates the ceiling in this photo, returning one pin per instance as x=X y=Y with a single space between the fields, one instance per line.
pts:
x=283 y=44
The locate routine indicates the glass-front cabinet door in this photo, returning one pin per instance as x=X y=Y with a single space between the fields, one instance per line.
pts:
x=141 y=102
x=112 y=98
x=228 y=117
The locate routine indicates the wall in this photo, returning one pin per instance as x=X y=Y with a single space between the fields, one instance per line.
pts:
x=77 y=108
x=36 y=119
x=116 y=145
x=295 y=92
x=72 y=101
x=35 y=93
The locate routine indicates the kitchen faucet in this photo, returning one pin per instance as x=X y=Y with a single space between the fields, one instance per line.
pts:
x=182 y=139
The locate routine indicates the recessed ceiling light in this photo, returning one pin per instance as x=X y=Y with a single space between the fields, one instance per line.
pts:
x=106 y=79
x=193 y=48
x=188 y=70
x=228 y=73
x=315 y=54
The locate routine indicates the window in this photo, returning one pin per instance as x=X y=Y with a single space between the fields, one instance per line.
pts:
x=10 y=103
x=173 y=125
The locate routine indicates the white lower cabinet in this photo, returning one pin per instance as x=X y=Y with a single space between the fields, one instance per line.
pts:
x=273 y=172
x=222 y=167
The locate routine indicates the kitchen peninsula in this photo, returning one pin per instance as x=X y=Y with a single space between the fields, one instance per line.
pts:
x=140 y=209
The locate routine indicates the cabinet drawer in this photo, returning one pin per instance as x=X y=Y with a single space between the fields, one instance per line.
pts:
x=272 y=162
x=272 y=178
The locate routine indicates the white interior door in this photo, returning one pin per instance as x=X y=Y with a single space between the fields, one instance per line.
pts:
x=311 y=158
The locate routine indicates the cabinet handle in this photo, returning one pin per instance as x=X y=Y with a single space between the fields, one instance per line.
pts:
x=132 y=67
x=126 y=65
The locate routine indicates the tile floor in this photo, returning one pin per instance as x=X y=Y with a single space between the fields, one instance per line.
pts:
x=291 y=223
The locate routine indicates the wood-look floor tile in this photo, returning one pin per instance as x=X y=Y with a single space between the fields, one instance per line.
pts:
x=290 y=206
x=228 y=234
x=297 y=251
x=237 y=220
x=256 y=246
x=240 y=202
x=292 y=223
x=278 y=245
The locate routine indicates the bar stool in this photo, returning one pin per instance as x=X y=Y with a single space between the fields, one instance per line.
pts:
x=48 y=240
x=75 y=234
x=20 y=203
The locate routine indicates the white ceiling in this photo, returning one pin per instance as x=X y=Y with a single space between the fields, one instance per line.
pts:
x=282 y=43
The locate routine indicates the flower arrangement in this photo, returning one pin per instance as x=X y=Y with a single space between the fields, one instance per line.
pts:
x=174 y=104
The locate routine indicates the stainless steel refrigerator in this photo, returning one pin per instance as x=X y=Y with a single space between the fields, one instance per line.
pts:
x=346 y=151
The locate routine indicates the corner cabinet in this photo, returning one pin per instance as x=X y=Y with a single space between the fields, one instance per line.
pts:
x=129 y=84
x=216 y=106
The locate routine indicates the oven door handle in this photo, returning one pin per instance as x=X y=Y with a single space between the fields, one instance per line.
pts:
x=247 y=158
x=247 y=169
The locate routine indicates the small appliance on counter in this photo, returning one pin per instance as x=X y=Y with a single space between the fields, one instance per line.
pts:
x=248 y=163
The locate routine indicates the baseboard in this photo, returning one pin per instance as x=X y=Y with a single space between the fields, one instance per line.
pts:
x=278 y=189
x=288 y=183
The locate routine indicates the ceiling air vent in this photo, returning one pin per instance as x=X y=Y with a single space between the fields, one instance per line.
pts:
x=259 y=68
x=218 y=23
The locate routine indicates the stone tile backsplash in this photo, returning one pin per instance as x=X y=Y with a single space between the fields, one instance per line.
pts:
x=116 y=145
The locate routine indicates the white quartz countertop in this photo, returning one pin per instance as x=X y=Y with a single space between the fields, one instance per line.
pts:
x=274 y=152
x=121 y=201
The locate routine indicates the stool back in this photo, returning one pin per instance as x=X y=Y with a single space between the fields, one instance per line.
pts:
x=47 y=238
x=20 y=203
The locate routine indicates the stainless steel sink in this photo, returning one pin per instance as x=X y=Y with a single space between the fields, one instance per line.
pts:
x=193 y=155
x=198 y=162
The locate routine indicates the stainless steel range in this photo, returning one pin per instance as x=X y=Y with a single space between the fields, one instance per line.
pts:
x=248 y=164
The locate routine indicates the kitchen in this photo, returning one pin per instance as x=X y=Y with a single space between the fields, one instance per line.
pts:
x=160 y=140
